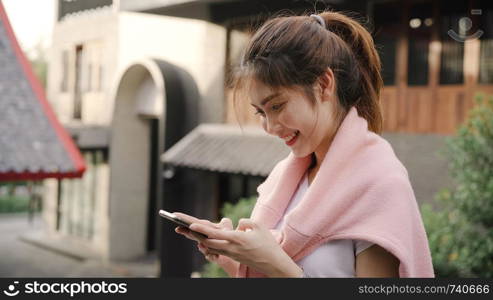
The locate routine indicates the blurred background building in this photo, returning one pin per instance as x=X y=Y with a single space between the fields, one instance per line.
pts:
x=133 y=80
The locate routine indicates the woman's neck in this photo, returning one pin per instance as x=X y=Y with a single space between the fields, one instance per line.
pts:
x=319 y=154
x=313 y=168
x=318 y=157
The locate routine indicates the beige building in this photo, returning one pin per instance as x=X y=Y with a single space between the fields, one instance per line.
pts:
x=104 y=73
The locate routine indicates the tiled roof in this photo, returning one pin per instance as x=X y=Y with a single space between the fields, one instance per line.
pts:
x=33 y=144
x=226 y=148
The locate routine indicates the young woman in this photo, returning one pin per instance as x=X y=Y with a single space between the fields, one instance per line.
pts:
x=341 y=204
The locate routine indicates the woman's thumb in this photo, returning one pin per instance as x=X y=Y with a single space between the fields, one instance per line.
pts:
x=246 y=225
x=226 y=223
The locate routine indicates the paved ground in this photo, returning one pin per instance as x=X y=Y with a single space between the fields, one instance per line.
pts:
x=19 y=258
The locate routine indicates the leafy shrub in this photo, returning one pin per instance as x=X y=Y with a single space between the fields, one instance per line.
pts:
x=11 y=200
x=14 y=204
x=461 y=234
x=242 y=209
x=213 y=270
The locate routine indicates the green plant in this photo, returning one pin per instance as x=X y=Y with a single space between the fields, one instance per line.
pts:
x=461 y=234
x=11 y=200
x=242 y=209
x=213 y=270
x=14 y=204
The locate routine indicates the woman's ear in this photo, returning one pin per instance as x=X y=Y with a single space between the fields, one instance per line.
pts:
x=327 y=84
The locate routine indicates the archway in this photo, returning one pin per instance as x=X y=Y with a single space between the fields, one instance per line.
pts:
x=155 y=105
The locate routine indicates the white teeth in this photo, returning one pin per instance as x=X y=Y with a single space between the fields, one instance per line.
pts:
x=289 y=137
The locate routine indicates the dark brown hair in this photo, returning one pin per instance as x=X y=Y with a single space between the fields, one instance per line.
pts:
x=294 y=51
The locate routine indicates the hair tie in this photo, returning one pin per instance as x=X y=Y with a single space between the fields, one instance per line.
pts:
x=319 y=19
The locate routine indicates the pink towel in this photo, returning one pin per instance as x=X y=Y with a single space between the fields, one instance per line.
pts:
x=361 y=191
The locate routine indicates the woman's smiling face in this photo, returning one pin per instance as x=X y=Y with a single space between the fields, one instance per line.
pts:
x=290 y=115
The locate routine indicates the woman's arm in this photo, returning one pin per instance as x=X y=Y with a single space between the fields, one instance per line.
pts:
x=376 y=262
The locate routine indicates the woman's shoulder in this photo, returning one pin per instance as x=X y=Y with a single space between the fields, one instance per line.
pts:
x=274 y=174
x=383 y=157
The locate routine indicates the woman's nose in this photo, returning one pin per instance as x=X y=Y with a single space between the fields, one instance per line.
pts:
x=271 y=126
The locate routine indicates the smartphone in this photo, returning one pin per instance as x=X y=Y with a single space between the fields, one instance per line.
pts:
x=173 y=218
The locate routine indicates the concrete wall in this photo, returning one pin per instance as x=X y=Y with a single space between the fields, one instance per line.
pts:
x=129 y=181
x=196 y=46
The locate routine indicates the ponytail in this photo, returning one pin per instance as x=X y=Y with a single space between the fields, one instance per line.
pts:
x=361 y=43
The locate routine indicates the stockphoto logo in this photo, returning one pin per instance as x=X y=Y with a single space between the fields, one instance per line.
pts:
x=72 y=288
x=11 y=290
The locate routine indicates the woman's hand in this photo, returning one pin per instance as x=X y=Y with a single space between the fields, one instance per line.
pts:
x=250 y=244
x=226 y=263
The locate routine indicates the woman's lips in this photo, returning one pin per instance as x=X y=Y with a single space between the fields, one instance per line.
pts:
x=292 y=139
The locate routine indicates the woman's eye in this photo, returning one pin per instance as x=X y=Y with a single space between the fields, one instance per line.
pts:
x=259 y=112
x=276 y=107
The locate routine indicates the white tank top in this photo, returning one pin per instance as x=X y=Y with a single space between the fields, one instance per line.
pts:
x=332 y=259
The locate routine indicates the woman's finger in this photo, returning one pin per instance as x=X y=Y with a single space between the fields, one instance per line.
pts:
x=246 y=225
x=191 y=219
x=217 y=252
x=207 y=253
x=216 y=244
x=203 y=250
x=180 y=230
x=212 y=257
x=201 y=247
x=226 y=223
x=188 y=234
x=210 y=254
x=186 y=217
x=214 y=233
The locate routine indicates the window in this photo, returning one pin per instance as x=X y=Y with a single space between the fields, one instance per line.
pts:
x=236 y=44
x=385 y=35
x=79 y=57
x=486 y=52
x=452 y=54
x=92 y=65
x=420 y=21
x=237 y=39
x=387 y=53
x=65 y=70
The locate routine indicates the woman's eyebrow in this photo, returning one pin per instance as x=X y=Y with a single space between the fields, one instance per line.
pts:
x=268 y=98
